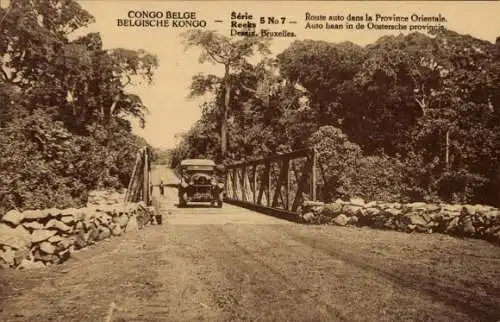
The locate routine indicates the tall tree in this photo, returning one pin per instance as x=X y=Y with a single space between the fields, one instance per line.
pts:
x=232 y=54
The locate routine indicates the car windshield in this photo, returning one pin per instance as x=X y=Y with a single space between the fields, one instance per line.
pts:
x=199 y=168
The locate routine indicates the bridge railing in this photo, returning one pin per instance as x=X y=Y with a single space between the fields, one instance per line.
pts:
x=281 y=182
x=139 y=187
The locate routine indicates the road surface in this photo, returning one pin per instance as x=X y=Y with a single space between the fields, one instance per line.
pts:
x=232 y=264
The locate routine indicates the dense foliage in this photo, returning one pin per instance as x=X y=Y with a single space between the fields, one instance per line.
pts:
x=410 y=117
x=161 y=156
x=64 y=107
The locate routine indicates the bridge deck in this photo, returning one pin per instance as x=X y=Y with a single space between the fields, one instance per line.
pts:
x=231 y=264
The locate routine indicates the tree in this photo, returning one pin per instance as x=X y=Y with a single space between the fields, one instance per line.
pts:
x=84 y=81
x=64 y=127
x=421 y=114
x=232 y=54
x=447 y=84
x=32 y=35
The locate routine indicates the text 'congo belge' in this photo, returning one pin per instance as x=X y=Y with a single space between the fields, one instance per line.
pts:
x=158 y=18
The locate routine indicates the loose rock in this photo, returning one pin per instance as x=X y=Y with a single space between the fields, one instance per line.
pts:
x=122 y=221
x=36 y=214
x=8 y=256
x=47 y=247
x=117 y=230
x=13 y=217
x=55 y=239
x=32 y=225
x=341 y=220
x=41 y=235
x=16 y=238
x=54 y=223
x=30 y=264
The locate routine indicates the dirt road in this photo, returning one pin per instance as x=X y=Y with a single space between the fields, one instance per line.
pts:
x=208 y=264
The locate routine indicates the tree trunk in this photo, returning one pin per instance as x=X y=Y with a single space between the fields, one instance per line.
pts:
x=447 y=154
x=223 y=134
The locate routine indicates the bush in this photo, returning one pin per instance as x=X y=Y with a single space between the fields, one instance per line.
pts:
x=345 y=173
x=36 y=165
x=337 y=156
x=377 y=178
x=461 y=186
x=43 y=165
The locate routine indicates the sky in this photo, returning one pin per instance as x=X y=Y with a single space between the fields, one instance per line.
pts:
x=171 y=112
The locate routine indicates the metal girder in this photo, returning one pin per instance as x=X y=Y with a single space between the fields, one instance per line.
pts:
x=140 y=179
x=279 y=182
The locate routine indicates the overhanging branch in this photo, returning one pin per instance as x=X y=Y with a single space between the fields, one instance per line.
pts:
x=213 y=56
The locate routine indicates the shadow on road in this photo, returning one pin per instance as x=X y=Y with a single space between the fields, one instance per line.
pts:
x=195 y=206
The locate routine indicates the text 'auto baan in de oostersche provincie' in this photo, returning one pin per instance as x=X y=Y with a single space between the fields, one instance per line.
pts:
x=158 y=18
x=377 y=21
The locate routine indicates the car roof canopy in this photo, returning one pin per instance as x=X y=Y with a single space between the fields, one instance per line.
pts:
x=197 y=162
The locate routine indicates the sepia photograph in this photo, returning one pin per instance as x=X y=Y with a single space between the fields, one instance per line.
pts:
x=249 y=160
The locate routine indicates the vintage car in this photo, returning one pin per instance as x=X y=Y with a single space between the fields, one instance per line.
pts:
x=200 y=181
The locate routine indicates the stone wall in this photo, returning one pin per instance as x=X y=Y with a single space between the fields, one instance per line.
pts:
x=37 y=238
x=474 y=221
